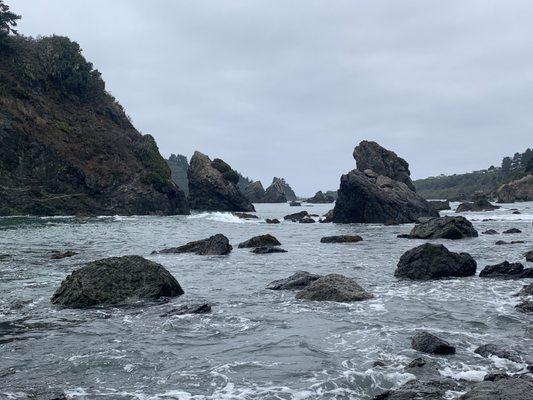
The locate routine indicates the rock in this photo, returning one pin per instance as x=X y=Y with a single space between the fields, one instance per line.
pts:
x=296 y=216
x=428 y=343
x=506 y=270
x=436 y=389
x=422 y=368
x=506 y=388
x=295 y=204
x=321 y=198
x=307 y=220
x=212 y=246
x=494 y=376
x=254 y=192
x=439 y=205
x=116 y=280
x=245 y=215
x=432 y=261
x=490 y=349
x=59 y=255
x=341 y=239
x=268 y=250
x=512 y=230
x=527 y=290
x=201 y=308
x=179 y=165
x=443 y=228
x=334 y=287
x=480 y=204
x=501 y=242
x=519 y=190
x=261 y=241
x=328 y=217
x=516 y=212
x=490 y=232
x=371 y=156
x=213 y=186
x=67 y=145
x=272 y=221
x=297 y=281
x=278 y=192
x=525 y=306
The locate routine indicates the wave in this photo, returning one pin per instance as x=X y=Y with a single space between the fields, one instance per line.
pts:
x=219 y=217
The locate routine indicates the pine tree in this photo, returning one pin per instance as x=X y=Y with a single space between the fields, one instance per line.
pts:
x=8 y=20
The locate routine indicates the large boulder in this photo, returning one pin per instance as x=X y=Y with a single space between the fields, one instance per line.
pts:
x=334 y=287
x=215 y=245
x=443 y=228
x=480 y=204
x=278 y=192
x=371 y=156
x=428 y=343
x=320 y=197
x=213 y=186
x=260 y=241
x=116 y=280
x=506 y=270
x=432 y=261
x=297 y=281
x=519 y=190
x=505 y=388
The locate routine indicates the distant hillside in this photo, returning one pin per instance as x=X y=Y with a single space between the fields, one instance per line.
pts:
x=461 y=186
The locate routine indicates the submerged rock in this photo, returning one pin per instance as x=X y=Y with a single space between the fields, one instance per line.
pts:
x=432 y=261
x=443 y=228
x=296 y=216
x=481 y=204
x=341 y=239
x=429 y=343
x=307 y=220
x=272 y=221
x=525 y=306
x=439 y=205
x=512 y=230
x=261 y=241
x=201 y=308
x=490 y=349
x=212 y=246
x=268 y=250
x=490 y=232
x=115 y=280
x=321 y=198
x=295 y=204
x=506 y=388
x=297 y=281
x=421 y=390
x=242 y=215
x=506 y=270
x=334 y=287
x=59 y=255
x=527 y=290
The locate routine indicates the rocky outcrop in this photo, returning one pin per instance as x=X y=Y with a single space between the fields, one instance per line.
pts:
x=502 y=242
x=439 y=205
x=334 y=287
x=432 y=261
x=68 y=147
x=428 y=343
x=297 y=281
x=443 y=228
x=529 y=255
x=272 y=221
x=320 y=198
x=367 y=196
x=201 y=308
x=60 y=255
x=525 y=306
x=213 y=186
x=435 y=389
x=491 y=349
x=278 y=192
x=511 y=231
x=268 y=250
x=527 y=290
x=179 y=165
x=481 y=204
x=506 y=270
x=341 y=239
x=116 y=280
x=260 y=241
x=212 y=246
x=296 y=216
x=505 y=388
x=242 y=215
x=306 y=220
x=519 y=190
x=490 y=232
x=254 y=192
x=371 y=156
x=295 y=203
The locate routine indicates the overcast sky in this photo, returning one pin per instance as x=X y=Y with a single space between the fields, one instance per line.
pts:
x=288 y=88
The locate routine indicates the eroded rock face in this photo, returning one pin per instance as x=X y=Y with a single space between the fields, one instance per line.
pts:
x=213 y=186
x=444 y=228
x=297 y=281
x=519 y=190
x=261 y=241
x=371 y=156
x=215 y=245
x=429 y=343
x=321 y=198
x=506 y=270
x=116 y=280
x=432 y=261
x=334 y=287
x=254 y=192
x=179 y=165
x=278 y=192
x=341 y=239
x=505 y=388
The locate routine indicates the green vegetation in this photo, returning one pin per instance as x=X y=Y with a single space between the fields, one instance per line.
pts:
x=460 y=186
x=8 y=20
x=147 y=153
x=62 y=126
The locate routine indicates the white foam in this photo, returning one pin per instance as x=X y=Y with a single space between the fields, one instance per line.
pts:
x=219 y=217
x=467 y=375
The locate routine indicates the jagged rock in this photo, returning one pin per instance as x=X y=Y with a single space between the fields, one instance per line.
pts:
x=254 y=192
x=527 y=290
x=179 y=165
x=501 y=242
x=480 y=204
x=334 y=287
x=421 y=390
x=525 y=306
x=328 y=217
x=443 y=228
x=529 y=255
x=519 y=190
x=278 y=192
x=432 y=261
x=268 y=250
x=341 y=239
x=506 y=388
x=261 y=241
x=245 y=215
x=295 y=204
x=201 y=308
x=296 y=216
x=320 y=198
x=439 y=205
x=372 y=156
x=272 y=221
x=506 y=270
x=67 y=146
x=297 y=281
x=512 y=230
x=116 y=280
x=212 y=246
x=306 y=220
x=59 y=255
x=423 y=367
x=490 y=349
x=428 y=343
x=212 y=186
x=490 y=232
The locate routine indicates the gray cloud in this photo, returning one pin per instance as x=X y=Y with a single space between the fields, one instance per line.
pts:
x=281 y=88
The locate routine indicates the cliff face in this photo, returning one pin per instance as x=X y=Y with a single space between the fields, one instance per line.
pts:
x=67 y=145
x=519 y=190
x=279 y=191
x=178 y=165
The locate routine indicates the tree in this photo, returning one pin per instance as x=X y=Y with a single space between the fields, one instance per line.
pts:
x=8 y=20
x=506 y=165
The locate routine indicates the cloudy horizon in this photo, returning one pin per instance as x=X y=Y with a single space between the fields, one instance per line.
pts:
x=289 y=88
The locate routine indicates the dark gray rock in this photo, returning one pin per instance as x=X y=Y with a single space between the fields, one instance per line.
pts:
x=506 y=270
x=439 y=205
x=179 y=165
x=490 y=232
x=432 y=261
x=213 y=186
x=506 y=388
x=428 y=343
x=490 y=349
x=242 y=215
x=529 y=255
x=201 y=308
x=61 y=255
x=279 y=191
x=116 y=280
x=423 y=367
x=334 y=287
x=295 y=203
x=341 y=239
x=254 y=191
x=272 y=221
x=421 y=390
x=296 y=216
x=512 y=230
x=503 y=242
x=212 y=246
x=525 y=306
x=481 y=204
x=307 y=220
x=268 y=250
x=328 y=217
x=443 y=228
x=297 y=281
x=261 y=241
x=321 y=198
x=527 y=290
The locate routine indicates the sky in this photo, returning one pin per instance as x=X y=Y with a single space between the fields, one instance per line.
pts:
x=288 y=88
